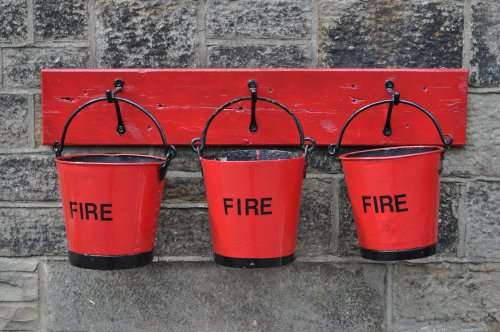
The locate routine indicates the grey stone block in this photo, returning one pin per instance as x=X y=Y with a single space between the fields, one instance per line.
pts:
x=28 y=177
x=40 y=231
x=146 y=33
x=18 y=294
x=13 y=121
x=316 y=215
x=13 y=21
x=485 y=53
x=348 y=239
x=18 y=264
x=185 y=189
x=263 y=56
x=365 y=33
x=32 y=231
x=258 y=19
x=16 y=316
x=481 y=156
x=450 y=197
x=183 y=232
x=483 y=220
x=38 y=119
x=186 y=231
x=319 y=161
x=60 y=20
x=185 y=161
x=18 y=286
x=446 y=297
x=201 y=296
x=22 y=66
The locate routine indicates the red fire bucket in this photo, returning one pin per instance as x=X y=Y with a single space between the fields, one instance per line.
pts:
x=394 y=193
x=111 y=202
x=254 y=200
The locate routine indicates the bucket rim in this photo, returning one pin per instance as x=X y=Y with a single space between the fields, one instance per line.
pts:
x=214 y=157
x=65 y=159
x=350 y=156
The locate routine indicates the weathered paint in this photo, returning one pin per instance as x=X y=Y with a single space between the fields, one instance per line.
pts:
x=322 y=99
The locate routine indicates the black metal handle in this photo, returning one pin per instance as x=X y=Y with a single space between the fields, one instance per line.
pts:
x=202 y=141
x=447 y=139
x=170 y=151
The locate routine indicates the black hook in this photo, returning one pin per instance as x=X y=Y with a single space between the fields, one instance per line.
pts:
x=110 y=95
x=389 y=86
x=198 y=144
x=252 y=84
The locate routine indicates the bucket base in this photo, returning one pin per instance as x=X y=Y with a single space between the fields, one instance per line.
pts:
x=398 y=255
x=250 y=263
x=97 y=262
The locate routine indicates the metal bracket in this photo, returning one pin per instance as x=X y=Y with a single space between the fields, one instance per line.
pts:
x=110 y=95
x=252 y=84
x=389 y=86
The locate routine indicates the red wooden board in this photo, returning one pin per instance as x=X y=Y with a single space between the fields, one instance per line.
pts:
x=322 y=99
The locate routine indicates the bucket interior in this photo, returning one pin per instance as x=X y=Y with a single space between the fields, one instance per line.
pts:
x=253 y=155
x=112 y=158
x=393 y=152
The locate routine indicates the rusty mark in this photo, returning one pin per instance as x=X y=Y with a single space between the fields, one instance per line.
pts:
x=65 y=99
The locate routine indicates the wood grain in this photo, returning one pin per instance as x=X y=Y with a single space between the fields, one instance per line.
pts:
x=322 y=99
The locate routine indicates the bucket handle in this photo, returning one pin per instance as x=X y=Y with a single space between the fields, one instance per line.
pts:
x=170 y=151
x=447 y=139
x=202 y=141
x=198 y=144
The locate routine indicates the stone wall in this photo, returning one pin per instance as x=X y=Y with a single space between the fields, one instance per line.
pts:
x=329 y=288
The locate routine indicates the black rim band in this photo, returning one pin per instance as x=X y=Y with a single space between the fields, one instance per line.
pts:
x=97 y=262
x=398 y=255
x=250 y=263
